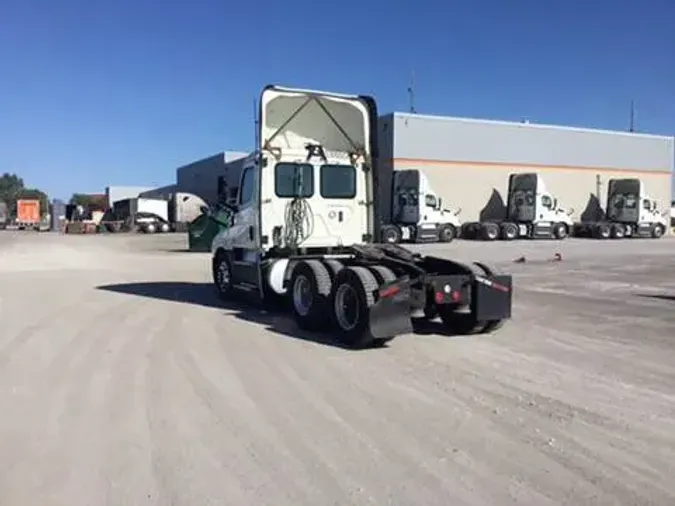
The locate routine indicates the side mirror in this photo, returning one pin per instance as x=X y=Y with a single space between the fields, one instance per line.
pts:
x=459 y=210
x=570 y=211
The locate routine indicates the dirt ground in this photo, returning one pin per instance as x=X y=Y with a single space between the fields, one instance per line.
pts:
x=124 y=381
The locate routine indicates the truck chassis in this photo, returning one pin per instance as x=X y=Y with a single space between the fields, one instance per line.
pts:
x=618 y=230
x=510 y=230
x=369 y=294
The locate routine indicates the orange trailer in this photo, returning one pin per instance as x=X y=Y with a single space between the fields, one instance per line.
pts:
x=28 y=211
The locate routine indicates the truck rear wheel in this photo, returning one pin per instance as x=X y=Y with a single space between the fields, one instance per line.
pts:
x=489 y=231
x=460 y=323
x=618 y=231
x=602 y=231
x=466 y=323
x=310 y=288
x=509 y=231
x=351 y=300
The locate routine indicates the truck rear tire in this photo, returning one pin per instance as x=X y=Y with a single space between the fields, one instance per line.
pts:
x=489 y=231
x=447 y=233
x=459 y=323
x=602 y=231
x=509 y=231
x=351 y=300
x=618 y=231
x=465 y=323
x=382 y=274
x=310 y=289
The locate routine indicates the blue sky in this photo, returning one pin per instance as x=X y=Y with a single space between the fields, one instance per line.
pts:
x=94 y=93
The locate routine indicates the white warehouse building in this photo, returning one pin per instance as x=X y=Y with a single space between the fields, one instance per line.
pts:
x=468 y=161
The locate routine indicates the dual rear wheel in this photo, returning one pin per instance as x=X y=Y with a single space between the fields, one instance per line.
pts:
x=329 y=296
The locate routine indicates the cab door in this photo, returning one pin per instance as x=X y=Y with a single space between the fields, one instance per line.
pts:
x=245 y=232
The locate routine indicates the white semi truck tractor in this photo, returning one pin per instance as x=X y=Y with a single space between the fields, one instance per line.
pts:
x=418 y=214
x=305 y=221
x=532 y=212
x=630 y=212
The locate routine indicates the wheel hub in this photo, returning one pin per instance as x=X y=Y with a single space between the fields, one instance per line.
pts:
x=346 y=307
x=302 y=295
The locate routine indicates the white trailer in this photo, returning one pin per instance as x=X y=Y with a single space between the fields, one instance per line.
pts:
x=306 y=215
x=418 y=214
x=150 y=215
x=630 y=212
x=532 y=212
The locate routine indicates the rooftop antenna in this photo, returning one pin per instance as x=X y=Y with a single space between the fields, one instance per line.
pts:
x=632 y=116
x=411 y=94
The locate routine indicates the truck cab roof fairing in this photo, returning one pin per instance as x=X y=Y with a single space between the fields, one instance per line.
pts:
x=292 y=118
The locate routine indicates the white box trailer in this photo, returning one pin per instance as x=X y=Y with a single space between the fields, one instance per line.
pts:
x=144 y=211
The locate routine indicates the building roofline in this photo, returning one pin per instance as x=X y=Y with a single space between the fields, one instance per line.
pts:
x=528 y=125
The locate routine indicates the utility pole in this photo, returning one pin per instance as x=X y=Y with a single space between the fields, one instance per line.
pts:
x=411 y=94
x=632 y=116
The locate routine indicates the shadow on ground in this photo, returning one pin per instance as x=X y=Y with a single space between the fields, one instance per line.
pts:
x=658 y=296
x=273 y=318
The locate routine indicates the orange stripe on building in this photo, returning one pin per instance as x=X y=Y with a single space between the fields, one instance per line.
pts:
x=503 y=165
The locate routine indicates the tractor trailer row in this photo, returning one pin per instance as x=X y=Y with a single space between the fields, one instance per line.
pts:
x=532 y=212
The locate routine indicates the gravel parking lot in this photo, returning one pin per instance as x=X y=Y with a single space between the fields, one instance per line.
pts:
x=124 y=381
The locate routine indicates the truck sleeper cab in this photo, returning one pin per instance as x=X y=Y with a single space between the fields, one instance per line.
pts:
x=630 y=212
x=531 y=213
x=303 y=225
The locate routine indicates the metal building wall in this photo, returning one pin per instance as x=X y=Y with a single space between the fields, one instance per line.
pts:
x=468 y=161
x=201 y=177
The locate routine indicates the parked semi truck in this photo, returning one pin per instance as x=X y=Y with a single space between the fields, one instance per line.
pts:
x=304 y=224
x=418 y=214
x=629 y=212
x=532 y=212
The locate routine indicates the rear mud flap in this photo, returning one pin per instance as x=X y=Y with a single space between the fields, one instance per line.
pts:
x=492 y=298
x=390 y=315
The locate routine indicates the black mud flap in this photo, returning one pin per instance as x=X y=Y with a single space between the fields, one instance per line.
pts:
x=492 y=298
x=390 y=315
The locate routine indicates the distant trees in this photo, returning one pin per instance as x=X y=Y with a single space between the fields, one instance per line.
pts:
x=88 y=201
x=12 y=188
